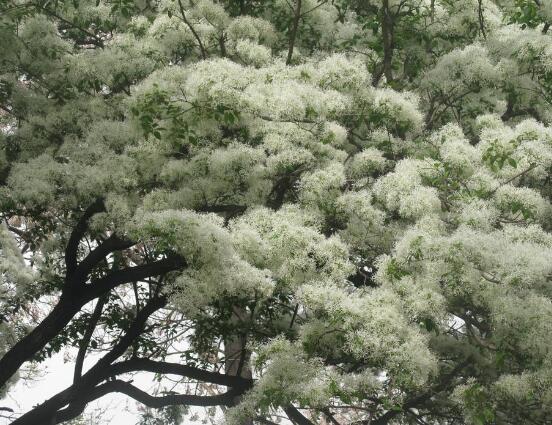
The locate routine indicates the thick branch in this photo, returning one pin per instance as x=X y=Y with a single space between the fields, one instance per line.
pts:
x=132 y=274
x=33 y=342
x=130 y=335
x=296 y=416
x=481 y=19
x=111 y=244
x=171 y=399
x=146 y=399
x=147 y=365
x=387 y=27
x=46 y=412
x=71 y=251
x=70 y=304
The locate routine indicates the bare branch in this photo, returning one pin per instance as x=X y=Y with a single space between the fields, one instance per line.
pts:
x=83 y=345
x=192 y=29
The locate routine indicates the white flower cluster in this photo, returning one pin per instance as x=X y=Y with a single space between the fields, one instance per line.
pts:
x=288 y=243
x=402 y=191
x=15 y=274
x=371 y=327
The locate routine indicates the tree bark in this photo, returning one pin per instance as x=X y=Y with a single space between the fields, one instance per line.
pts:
x=71 y=301
x=388 y=41
x=293 y=32
x=236 y=356
x=46 y=412
x=33 y=342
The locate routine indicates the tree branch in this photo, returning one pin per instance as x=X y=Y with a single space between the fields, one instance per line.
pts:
x=69 y=305
x=416 y=401
x=192 y=29
x=296 y=416
x=481 y=19
x=171 y=399
x=131 y=274
x=147 y=365
x=111 y=244
x=46 y=413
x=83 y=345
x=146 y=399
x=131 y=334
x=71 y=250
x=387 y=28
x=97 y=40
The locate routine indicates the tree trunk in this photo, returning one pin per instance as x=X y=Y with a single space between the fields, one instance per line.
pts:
x=388 y=42
x=237 y=358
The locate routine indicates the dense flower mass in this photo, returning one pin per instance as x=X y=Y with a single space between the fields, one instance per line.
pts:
x=326 y=211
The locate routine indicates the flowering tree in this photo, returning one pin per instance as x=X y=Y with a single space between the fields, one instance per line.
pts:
x=329 y=211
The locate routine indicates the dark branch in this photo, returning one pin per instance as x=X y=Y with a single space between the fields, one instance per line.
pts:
x=131 y=334
x=132 y=274
x=225 y=399
x=422 y=398
x=46 y=413
x=154 y=402
x=111 y=244
x=481 y=19
x=69 y=304
x=147 y=365
x=83 y=345
x=296 y=416
x=75 y=409
x=192 y=29
x=71 y=251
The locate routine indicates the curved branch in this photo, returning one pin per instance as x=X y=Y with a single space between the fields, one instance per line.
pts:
x=147 y=365
x=46 y=412
x=69 y=304
x=171 y=399
x=111 y=244
x=130 y=335
x=146 y=399
x=71 y=250
x=132 y=274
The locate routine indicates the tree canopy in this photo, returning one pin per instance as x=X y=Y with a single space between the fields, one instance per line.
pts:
x=327 y=211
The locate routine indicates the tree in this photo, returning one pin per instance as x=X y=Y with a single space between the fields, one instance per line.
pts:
x=333 y=211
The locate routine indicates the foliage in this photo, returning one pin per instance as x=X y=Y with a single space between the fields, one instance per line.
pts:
x=332 y=210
